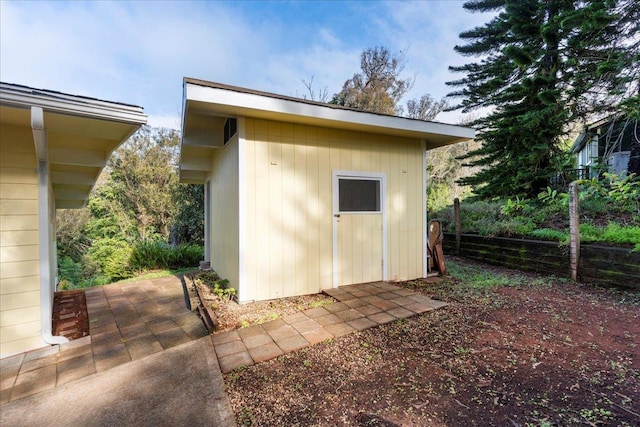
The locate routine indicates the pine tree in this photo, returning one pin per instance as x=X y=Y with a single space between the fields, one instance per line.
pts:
x=544 y=64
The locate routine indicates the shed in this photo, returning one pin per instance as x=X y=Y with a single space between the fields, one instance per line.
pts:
x=53 y=146
x=302 y=196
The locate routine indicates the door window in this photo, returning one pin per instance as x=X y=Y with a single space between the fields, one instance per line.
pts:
x=358 y=195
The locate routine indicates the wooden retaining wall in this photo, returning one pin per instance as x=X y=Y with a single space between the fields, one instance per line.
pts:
x=602 y=265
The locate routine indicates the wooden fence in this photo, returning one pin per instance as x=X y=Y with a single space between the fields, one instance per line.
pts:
x=604 y=265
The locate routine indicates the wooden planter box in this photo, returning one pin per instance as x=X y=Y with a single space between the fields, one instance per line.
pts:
x=605 y=265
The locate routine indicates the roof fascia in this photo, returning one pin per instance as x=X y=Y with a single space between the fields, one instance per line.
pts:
x=77 y=106
x=251 y=104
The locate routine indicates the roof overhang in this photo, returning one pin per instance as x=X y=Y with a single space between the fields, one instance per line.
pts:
x=81 y=133
x=207 y=105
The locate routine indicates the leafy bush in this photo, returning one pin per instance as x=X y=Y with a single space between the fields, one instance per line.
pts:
x=515 y=206
x=438 y=196
x=623 y=193
x=612 y=233
x=546 y=217
x=112 y=256
x=550 y=234
x=518 y=226
x=69 y=270
x=187 y=255
x=153 y=254
x=220 y=287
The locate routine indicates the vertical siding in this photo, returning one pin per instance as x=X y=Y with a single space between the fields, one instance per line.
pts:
x=224 y=212
x=19 y=256
x=359 y=248
x=288 y=248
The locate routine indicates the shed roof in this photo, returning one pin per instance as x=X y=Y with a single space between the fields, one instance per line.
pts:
x=81 y=133
x=207 y=105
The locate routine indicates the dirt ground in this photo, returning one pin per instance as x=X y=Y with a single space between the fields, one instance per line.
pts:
x=510 y=349
x=231 y=315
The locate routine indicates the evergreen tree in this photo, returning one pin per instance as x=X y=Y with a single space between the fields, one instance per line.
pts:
x=544 y=64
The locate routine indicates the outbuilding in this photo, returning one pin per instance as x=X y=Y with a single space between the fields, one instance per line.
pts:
x=302 y=196
x=53 y=147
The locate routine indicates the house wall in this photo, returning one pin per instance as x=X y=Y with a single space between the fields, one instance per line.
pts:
x=19 y=256
x=223 y=208
x=286 y=188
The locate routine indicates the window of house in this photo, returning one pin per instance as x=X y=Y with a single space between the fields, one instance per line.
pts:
x=230 y=129
x=358 y=195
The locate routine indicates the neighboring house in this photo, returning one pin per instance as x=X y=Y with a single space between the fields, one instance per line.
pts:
x=605 y=146
x=302 y=196
x=53 y=146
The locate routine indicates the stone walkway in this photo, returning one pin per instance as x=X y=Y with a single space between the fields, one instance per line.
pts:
x=359 y=307
x=128 y=321
x=147 y=351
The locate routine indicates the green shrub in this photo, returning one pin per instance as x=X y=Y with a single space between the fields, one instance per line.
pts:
x=112 y=256
x=621 y=194
x=518 y=226
x=218 y=286
x=480 y=217
x=615 y=233
x=625 y=192
x=515 y=206
x=187 y=255
x=552 y=202
x=547 y=216
x=155 y=254
x=69 y=273
x=438 y=196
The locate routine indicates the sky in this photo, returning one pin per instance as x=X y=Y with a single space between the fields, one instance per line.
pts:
x=137 y=52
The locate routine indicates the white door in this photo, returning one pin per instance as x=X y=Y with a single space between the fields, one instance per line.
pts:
x=359 y=248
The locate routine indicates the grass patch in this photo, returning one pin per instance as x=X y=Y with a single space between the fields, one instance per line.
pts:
x=477 y=278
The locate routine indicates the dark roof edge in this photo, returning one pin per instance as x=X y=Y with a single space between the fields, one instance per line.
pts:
x=59 y=95
x=216 y=85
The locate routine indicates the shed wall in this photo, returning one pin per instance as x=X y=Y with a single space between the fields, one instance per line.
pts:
x=19 y=256
x=287 y=190
x=224 y=212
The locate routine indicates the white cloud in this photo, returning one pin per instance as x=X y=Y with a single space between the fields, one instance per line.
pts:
x=169 y=121
x=138 y=52
x=430 y=31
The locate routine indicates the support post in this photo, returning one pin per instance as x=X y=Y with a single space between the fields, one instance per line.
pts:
x=574 y=229
x=456 y=213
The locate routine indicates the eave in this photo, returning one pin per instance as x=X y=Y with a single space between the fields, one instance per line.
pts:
x=206 y=105
x=81 y=133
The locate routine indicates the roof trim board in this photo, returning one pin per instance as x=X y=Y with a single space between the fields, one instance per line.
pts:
x=58 y=102
x=204 y=103
x=213 y=98
x=74 y=134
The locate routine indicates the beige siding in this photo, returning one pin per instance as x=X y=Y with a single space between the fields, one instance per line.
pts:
x=288 y=197
x=224 y=212
x=19 y=256
x=359 y=248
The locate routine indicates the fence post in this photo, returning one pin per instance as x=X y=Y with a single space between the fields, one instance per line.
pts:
x=456 y=213
x=574 y=229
